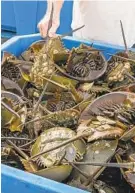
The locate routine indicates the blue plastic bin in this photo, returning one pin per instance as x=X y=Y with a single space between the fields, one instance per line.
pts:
x=22 y=17
x=14 y=180
x=18 y=44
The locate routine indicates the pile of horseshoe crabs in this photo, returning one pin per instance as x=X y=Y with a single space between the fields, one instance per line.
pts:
x=69 y=115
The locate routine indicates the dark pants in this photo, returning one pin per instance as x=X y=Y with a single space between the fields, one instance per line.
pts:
x=133 y=46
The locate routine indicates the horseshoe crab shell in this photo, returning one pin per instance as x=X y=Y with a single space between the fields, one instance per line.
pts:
x=57 y=173
x=67 y=118
x=93 y=74
x=10 y=119
x=107 y=99
x=10 y=85
x=51 y=138
x=101 y=150
x=32 y=50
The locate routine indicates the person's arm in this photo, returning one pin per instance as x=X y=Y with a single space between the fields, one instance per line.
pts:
x=43 y=24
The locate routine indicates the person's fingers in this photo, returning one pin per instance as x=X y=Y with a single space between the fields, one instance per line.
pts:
x=43 y=26
x=44 y=29
x=52 y=34
x=53 y=29
x=40 y=29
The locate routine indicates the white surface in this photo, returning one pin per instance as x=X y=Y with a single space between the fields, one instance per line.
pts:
x=102 y=20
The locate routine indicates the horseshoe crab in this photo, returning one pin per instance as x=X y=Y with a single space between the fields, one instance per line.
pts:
x=56 y=50
x=9 y=157
x=9 y=70
x=126 y=88
x=17 y=137
x=53 y=137
x=43 y=66
x=118 y=104
x=67 y=100
x=117 y=66
x=54 y=46
x=9 y=85
x=85 y=64
x=101 y=150
x=32 y=51
x=129 y=175
x=14 y=69
x=100 y=128
x=13 y=111
x=115 y=106
x=54 y=160
x=61 y=101
x=120 y=70
x=57 y=173
x=97 y=90
x=68 y=118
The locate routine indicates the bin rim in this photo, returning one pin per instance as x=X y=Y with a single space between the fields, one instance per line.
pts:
x=96 y=43
x=38 y=181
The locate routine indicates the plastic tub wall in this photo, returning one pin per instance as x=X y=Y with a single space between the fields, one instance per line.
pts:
x=22 y=17
x=18 y=44
x=14 y=180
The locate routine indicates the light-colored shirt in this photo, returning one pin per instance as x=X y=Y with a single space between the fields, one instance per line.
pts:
x=102 y=20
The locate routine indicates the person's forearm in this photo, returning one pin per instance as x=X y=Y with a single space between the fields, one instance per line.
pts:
x=49 y=8
x=43 y=24
x=57 y=4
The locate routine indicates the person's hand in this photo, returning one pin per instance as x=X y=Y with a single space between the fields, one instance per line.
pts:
x=43 y=26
